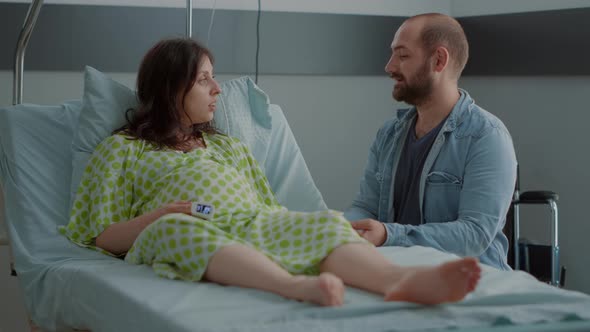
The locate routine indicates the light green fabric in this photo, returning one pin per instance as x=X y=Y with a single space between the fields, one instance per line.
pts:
x=126 y=178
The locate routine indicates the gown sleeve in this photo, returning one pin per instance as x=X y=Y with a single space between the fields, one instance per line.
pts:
x=105 y=193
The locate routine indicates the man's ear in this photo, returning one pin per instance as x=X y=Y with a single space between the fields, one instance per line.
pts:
x=440 y=59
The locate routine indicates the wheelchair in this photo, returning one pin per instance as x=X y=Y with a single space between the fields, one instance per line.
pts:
x=540 y=260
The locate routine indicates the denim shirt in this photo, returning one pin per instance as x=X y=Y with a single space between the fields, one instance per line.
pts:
x=466 y=185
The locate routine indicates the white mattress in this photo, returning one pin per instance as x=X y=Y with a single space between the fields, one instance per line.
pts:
x=106 y=294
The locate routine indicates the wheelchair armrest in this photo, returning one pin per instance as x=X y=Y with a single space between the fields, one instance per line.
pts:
x=537 y=197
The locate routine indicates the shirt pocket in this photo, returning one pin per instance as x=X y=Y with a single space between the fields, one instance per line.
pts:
x=441 y=197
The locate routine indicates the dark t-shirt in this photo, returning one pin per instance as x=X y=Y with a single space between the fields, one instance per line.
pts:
x=406 y=200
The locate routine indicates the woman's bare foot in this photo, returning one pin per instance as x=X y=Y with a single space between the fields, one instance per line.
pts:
x=448 y=282
x=325 y=289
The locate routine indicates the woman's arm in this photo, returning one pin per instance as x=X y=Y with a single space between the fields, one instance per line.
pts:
x=119 y=237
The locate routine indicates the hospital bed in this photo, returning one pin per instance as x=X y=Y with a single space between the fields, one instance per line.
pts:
x=67 y=287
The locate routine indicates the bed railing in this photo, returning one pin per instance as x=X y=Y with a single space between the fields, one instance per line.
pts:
x=17 y=80
x=25 y=35
x=189 y=18
x=21 y=47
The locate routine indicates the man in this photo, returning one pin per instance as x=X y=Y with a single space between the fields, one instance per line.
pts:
x=440 y=174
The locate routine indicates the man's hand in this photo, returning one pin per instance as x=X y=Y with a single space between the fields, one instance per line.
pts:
x=372 y=230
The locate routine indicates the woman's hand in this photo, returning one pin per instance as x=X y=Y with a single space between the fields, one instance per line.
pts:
x=119 y=237
x=177 y=207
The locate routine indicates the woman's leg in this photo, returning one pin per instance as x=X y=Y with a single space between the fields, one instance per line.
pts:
x=185 y=247
x=361 y=265
x=241 y=265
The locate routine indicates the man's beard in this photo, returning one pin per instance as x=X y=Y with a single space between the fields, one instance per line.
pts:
x=417 y=90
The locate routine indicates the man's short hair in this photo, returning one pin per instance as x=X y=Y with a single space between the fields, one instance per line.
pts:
x=443 y=30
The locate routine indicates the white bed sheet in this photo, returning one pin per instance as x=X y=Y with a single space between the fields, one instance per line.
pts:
x=106 y=294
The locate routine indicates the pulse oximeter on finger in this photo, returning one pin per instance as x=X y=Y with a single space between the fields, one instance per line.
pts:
x=202 y=210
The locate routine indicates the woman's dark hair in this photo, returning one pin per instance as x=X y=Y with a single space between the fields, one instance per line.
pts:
x=166 y=74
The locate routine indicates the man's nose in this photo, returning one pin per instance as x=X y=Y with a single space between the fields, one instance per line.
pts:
x=390 y=66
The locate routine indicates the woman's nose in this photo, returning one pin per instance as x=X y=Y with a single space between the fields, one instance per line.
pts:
x=216 y=88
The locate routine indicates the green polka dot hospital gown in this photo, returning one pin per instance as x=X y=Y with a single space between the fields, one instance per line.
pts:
x=126 y=178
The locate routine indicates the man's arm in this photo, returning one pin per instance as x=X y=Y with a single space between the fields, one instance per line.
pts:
x=485 y=197
x=366 y=203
